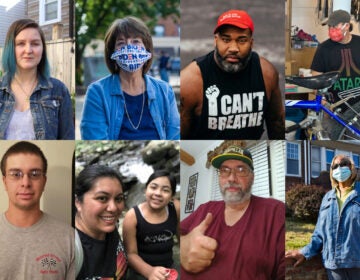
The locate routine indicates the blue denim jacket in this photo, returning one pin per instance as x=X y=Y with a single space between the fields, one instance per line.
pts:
x=337 y=236
x=50 y=106
x=103 y=110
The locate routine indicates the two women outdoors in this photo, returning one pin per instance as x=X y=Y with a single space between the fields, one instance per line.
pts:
x=144 y=254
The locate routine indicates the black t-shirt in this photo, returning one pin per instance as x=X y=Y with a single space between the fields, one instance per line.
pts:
x=102 y=258
x=155 y=241
x=345 y=58
x=234 y=104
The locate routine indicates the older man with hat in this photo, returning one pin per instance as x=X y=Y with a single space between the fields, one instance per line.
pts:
x=231 y=92
x=241 y=237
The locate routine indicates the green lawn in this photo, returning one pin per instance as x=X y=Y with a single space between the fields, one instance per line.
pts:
x=298 y=234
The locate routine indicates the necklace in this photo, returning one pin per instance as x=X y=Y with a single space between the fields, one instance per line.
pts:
x=27 y=96
x=142 y=110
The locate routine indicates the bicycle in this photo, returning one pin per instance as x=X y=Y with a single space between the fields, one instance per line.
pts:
x=347 y=125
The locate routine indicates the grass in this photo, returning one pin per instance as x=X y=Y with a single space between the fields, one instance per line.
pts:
x=298 y=233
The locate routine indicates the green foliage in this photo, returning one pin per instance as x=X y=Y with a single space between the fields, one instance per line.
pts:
x=298 y=234
x=303 y=202
x=93 y=18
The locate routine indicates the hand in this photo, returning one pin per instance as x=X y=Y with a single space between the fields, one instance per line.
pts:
x=158 y=273
x=295 y=254
x=196 y=249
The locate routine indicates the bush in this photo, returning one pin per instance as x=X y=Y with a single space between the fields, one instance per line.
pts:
x=303 y=202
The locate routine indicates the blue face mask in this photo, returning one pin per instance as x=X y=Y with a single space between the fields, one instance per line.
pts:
x=341 y=174
x=131 y=57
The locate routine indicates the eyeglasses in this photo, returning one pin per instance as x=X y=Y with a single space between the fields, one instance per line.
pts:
x=341 y=164
x=33 y=175
x=240 y=171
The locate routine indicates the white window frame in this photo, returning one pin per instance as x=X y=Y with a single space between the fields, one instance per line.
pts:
x=299 y=159
x=321 y=161
x=42 y=20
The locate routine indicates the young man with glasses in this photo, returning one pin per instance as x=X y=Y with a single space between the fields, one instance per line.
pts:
x=241 y=237
x=33 y=244
x=337 y=232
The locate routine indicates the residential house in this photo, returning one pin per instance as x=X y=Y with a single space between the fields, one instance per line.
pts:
x=200 y=180
x=308 y=162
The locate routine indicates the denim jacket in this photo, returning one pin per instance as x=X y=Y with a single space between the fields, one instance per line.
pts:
x=103 y=110
x=337 y=235
x=50 y=107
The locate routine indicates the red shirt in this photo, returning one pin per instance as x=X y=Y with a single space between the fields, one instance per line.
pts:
x=253 y=248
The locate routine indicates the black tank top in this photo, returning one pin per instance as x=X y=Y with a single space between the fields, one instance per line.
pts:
x=155 y=241
x=234 y=104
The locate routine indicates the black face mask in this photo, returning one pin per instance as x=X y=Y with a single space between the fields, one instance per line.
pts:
x=232 y=67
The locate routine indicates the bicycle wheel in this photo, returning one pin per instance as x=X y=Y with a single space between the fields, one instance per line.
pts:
x=342 y=133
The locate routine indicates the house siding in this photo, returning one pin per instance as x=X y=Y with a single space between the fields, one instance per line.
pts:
x=7 y=17
x=33 y=13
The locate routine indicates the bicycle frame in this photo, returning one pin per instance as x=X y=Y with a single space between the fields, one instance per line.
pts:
x=317 y=106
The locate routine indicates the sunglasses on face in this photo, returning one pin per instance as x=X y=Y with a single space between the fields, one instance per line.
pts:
x=341 y=164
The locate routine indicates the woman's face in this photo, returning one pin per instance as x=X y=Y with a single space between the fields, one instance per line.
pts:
x=122 y=41
x=101 y=207
x=158 y=193
x=28 y=49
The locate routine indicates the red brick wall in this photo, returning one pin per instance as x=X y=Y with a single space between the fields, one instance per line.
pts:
x=309 y=270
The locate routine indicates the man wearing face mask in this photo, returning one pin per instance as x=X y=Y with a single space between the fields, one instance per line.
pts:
x=337 y=232
x=128 y=104
x=231 y=92
x=339 y=53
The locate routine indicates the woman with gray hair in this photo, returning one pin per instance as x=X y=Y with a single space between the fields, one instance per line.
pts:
x=337 y=232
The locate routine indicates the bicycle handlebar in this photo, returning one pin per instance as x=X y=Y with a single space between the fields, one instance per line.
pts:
x=321 y=81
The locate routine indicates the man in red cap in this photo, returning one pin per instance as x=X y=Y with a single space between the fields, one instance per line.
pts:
x=241 y=237
x=231 y=92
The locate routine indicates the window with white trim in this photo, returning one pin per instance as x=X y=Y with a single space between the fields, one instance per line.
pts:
x=329 y=157
x=315 y=161
x=293 y=164
x=49 y=11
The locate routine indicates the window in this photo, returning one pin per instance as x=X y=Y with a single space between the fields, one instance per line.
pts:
x=315 y=161
x=293 y=159
x=356 y=160
x=159 y=31
x=329 y=157
x=50 y=11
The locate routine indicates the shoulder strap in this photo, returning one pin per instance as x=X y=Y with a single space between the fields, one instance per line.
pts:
x=79 y=253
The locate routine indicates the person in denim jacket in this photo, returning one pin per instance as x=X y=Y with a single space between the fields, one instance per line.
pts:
x=33 y=105
x=128 y=104
x=337 y=232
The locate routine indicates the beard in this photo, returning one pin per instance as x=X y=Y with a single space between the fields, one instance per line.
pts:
x=231 y=67
x=243 y=194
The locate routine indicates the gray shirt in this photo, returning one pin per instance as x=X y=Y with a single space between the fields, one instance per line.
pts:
x=43 y=251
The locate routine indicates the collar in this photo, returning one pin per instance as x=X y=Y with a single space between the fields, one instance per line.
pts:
x=43 y=83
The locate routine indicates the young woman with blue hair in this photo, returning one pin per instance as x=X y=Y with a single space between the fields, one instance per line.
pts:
x=33 y=105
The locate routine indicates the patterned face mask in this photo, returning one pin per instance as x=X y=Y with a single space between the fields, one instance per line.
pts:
x=131 y=57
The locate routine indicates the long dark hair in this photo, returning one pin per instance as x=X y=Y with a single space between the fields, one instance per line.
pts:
x=163 y=173
x=87 y=178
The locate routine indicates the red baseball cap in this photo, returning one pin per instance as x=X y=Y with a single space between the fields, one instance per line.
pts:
x=236 y=18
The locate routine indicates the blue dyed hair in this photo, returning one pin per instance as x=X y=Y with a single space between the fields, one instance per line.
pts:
x=9 y=58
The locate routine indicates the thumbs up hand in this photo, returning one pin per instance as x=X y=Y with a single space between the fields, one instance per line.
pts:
x=196 y=249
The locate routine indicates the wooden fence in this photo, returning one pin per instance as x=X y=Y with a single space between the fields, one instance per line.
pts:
x=61 y=56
